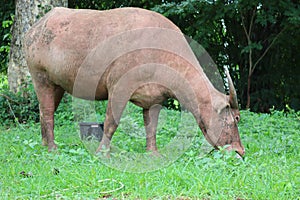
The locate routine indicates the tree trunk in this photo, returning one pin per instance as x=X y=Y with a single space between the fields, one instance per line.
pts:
x=248 y=92
x=26 y=14
x=249 y=77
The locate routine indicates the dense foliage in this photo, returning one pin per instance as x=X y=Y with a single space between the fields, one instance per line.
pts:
x=222 y=27
x=15 y=107
x=257 y=40
x=20 y=109
x=6 y=18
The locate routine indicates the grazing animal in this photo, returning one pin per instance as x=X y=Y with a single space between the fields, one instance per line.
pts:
x=121 y=55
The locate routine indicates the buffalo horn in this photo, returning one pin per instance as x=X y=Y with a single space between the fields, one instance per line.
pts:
x=232 y=93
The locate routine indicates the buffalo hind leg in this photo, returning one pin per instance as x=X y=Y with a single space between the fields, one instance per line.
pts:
x=150 y=122
x=48 y=105
x=49 y=96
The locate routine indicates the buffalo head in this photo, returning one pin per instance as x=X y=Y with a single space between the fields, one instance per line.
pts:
x=221 y=129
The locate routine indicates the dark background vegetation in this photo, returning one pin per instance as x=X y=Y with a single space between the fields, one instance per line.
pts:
x=275 y=82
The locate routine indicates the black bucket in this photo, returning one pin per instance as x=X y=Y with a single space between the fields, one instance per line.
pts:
x=91 y=131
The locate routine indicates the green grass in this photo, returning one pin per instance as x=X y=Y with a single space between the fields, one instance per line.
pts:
x=270 y=169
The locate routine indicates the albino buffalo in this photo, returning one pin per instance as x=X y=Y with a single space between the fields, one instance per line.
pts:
x=121 y=55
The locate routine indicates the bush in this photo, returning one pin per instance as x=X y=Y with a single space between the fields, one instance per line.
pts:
x=7 y=10
x=15 y=107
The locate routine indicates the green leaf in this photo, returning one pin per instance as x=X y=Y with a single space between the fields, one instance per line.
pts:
x=252 y=46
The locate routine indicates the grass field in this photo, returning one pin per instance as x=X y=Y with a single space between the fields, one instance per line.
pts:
x=270 y=169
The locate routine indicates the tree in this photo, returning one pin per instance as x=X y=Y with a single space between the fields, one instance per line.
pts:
x=26 y=13
x=256 y=39
x=261 y=16
x=260 y=30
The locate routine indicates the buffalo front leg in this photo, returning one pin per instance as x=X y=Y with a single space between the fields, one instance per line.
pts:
x=150 y=122
x=111 y=122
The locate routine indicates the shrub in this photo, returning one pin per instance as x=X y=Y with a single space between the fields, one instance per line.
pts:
x=7 y=10
x=15 y=107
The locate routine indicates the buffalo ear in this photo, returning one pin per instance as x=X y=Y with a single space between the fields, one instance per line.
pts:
x=232 y=93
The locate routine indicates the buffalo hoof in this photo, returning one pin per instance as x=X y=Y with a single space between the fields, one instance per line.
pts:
x=155 y=154
x=103 y=151
x=52 y=147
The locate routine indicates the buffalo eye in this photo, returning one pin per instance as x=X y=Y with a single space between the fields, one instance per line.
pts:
x=237 y=118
